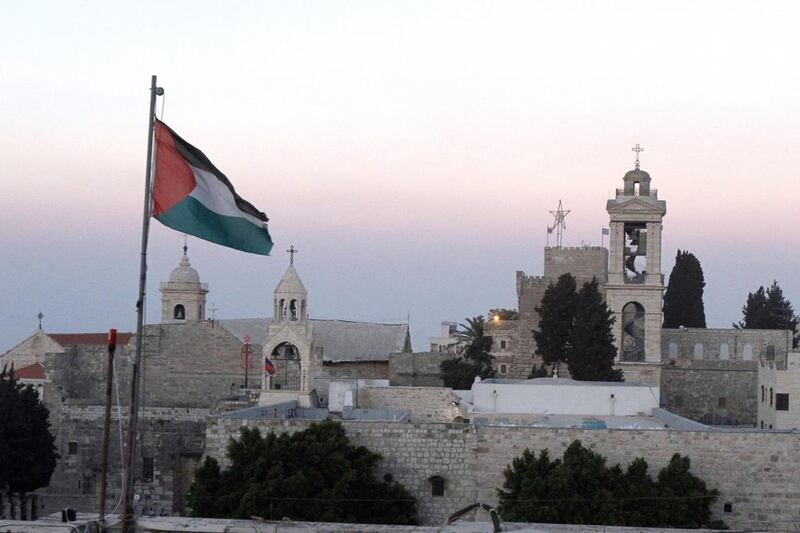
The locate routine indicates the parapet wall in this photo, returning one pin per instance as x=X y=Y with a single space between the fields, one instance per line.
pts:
x=758 y=473
x=583 y=263
x=427 y=404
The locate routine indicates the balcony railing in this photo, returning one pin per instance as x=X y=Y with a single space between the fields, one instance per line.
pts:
x=653 y=193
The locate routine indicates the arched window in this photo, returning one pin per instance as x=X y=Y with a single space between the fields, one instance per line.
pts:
x=281 y=309
x=179 y=313
x=763 y=393
x=672 y=349
x=770 y=352
x=285 y=358
x=293 y=310
x=747 y=352
x=632 y=346
x=437 y=486
x=724 y=351
x=698 y=350
x=770 y=396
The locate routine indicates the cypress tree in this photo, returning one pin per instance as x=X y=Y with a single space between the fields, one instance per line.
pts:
x=27 y=448
x=556 y=315
x=591 y=351
x=683 y=300
x=769 y=310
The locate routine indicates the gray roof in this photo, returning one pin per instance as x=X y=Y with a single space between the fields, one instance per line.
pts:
x=341 y=340
x=563 y=382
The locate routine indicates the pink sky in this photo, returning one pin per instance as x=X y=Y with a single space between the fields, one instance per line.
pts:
x=411 y=150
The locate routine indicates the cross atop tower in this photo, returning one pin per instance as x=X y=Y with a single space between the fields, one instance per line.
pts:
x=291 y=251
x=185 y=243
x=637 y=149
x=40 y=316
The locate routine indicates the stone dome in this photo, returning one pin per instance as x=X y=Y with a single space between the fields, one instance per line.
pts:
x=184 y=273
x=636 y=175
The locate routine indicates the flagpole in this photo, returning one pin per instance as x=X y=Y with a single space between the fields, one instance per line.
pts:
x=133 y=398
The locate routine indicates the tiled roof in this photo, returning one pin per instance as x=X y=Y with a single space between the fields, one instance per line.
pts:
x=34 y=371
x=341 y=340
x=72 y=339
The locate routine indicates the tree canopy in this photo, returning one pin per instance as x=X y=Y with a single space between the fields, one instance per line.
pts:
x=591 y=351
x=27 y=448
x=769 y=310
x=581 y=489
x=474 y=360
x=575 y=328
x=683 y=300
x=315 y=474
x=556 y=315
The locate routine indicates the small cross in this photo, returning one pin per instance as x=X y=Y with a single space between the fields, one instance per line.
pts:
x=185 y=243
x=291 y=251
x=40 y=316
x=637 y=149
x=214 y=310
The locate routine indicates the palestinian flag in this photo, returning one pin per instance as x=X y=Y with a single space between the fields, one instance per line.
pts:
x=192 y=196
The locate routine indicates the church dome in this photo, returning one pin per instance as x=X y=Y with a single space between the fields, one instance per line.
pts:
x=184 y=273
x=637 y=175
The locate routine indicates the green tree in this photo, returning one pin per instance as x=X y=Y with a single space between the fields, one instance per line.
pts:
x=556 y=316
x=769 y=310
x=685 y=499
x=581 y=489
x=475 y=358
x=315 y=474
x=27 y=448
x=590 y=349
x=683 y=300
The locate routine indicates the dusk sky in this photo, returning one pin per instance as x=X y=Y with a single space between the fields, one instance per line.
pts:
x=410 y=150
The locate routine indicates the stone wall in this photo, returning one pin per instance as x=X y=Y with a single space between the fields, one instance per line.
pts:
x=788 y=382
x=721 y=344
x=419 y=369
x=584 y=263
x=193 y=365
x=427 y=404
x=758 y=473
x=172 y=438
x=712 y=392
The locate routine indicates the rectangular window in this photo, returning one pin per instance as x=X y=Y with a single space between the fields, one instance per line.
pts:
x=721 y=402
x=72 y=447
x=782 y=401
x=503 y=345
x=677 y=401
x=503 y=369
x=88 y=484
x=147 y=468
x=437 y=486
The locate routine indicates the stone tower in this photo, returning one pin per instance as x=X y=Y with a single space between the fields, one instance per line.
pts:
x=288 y=344
x=183 y=297
x=635 y=285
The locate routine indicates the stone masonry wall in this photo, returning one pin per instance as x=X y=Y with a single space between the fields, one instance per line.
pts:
x=712 y=392
x=419 y=369
x=758 y=473
x=172 y=438
x=584 y=263
x=427 y=404
x=741 y=343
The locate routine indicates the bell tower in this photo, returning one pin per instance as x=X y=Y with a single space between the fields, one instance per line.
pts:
x=635 y=287
x=183 y=297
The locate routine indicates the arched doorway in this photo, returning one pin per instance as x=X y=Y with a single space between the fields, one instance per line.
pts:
x=286 y=359
x=632 y=345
